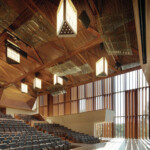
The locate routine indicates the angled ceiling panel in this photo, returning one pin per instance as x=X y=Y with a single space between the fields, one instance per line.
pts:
x=67 y=68
x=36 y=31
x=85 y=69
x=117 y=44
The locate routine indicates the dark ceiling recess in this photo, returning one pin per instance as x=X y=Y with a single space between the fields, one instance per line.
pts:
x=101 y=46
x=84 y=18
x=37 y=74
x=64 y=78
x=141 y=4
x=118 y=65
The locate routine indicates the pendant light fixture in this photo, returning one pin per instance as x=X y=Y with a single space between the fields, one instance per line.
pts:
x=57 y=80
x=66 y=19
x=102 y=67
x=12 y=53
x=24 y=88
x=37 y=83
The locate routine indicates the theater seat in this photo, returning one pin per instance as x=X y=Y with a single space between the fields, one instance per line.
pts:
x=3 y=146
x=35 y=147
x=12 y=145
x=21 y=144
x=6 y=141
x=28 y=148
x=19 y=148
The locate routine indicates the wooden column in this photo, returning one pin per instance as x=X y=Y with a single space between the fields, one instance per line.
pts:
x=136 y=115
x=50 y=105
x=93 y=96
x=149 y=113
x=126 y=118
x=68 y=102
x=145 y=112
x=133 y=114
x=113 y=130
x=77 y=101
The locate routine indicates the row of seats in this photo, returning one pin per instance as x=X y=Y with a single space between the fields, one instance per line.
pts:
x=5 y=116
x=62 y=131
x=12 y=125
x=17 y=135
x=35 y=141
x=27 y=118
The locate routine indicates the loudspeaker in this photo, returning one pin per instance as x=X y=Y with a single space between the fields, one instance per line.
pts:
x=84 y=18
x=64 y=78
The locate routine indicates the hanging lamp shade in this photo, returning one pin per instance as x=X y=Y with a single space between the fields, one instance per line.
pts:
x=12 y=53
x=66 y=19
x=102 y=67
x=37 y=83
x=57 y=80
x=24 y=88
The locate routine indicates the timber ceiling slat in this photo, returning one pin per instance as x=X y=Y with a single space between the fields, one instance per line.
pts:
x=83 y=49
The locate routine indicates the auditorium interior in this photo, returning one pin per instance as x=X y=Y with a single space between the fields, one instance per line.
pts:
x=75 y=74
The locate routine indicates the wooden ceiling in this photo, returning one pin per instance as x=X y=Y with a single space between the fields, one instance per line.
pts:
x=86 y=48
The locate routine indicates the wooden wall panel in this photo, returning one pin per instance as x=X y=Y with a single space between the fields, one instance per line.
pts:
x=68 y=95
x=67 y=108
x=103 y=129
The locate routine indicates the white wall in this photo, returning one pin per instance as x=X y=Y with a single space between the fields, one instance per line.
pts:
x=83 y=122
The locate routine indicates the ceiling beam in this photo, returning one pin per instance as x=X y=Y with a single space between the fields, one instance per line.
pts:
x=85 y=47
x=93 y=31
x=34 y=8
x=92 y=7
x=23 y=17
x=57 y=47
x=37 y=55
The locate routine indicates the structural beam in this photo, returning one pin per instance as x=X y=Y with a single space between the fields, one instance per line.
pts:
x=85 y=47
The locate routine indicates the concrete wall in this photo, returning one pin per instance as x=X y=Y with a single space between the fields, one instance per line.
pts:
x=83 y=122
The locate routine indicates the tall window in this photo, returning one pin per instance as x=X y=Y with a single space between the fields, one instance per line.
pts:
x=131 y=105
x=127 y=94
x=82 y=105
